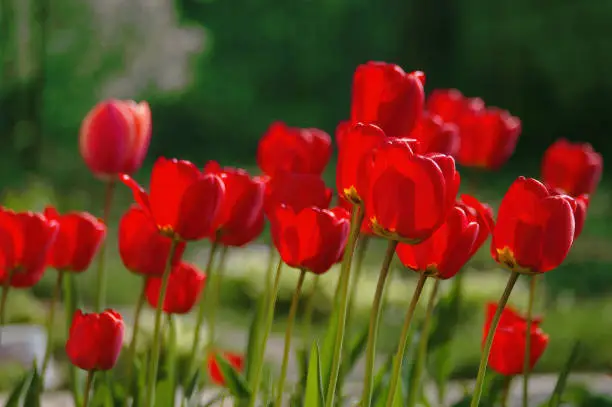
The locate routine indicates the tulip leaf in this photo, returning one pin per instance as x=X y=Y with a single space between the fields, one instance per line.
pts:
x=14 y=398
x=102 y=394
x=301 y=356
x=493 y=388
x=555 y=398
x=464 y=402
x=255 y=337
x=355 y=349
x=381 y=380
x=398 y=395
x=215 y=400
x=314 y=386
x=32 y=396
x=139 y=384
x=71 y=301
x=234 y=382
x=192 y=384
x=327 y=350
x=165 y=394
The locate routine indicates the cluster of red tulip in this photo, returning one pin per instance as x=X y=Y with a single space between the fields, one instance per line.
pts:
x=396 y=179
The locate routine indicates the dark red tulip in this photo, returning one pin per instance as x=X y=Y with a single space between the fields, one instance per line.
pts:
x=483 y=214
x=142 y=248
x=385 y=95
x=582 y=204
x=573 y=167
x=77 y=242
x=509 y=343
x=235 y=360
x=297 y=191
x=535 y=227
x=341 y=130
x=435 y=136
x=95 y=340
x=291 y=149
x=451 y=105
x=184 y=287
x=182 y=201
x=25 y=241
x=312 y=239
x=352 y=171
x=409 y=195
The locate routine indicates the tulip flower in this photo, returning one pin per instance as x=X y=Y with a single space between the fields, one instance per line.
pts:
x=115 y=137
x=78 y=240
x=435 y=136
x=184 y=287
x=312 y=239
x=241 y=218
x=572 y=167
x=95 y=340
x=409 y=195
x=451 y=105
x=297 y=191
x=535 y=228
x=341 y=130
x=183 y=202
x=582 y=204
x=483 y=214
x=385 y=95
x=291 y=149
x=214 y=371
x=509 y=343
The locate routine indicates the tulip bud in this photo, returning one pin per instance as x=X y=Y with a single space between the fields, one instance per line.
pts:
x=184 y=287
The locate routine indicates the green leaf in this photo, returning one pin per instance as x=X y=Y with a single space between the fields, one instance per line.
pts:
x=555 y=398
x=301 y=355
x=327 y=350
x=447 y=317
x=356 y=348
x=314 y=386
x=215 y=400
x=381 y=380
x=139 y=384
x=102 y=394
x=165 y=393
x=16 y=394
x=398 y=396
x=70 y=296
x=255 y=338
x=493 y=388
x=192 y=384
x=32 y=396
x=464 y=402
x=235 y=383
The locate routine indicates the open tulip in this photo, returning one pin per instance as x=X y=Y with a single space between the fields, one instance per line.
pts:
x=184 y=287
x=142 y=248
x=535 y=228
x=183 y=201
x=95 y=340
x=241 y=218
x=385 y=95
x=235 y=360
x=451 y=105
x=572 y=167
x=297 y=191
x=291 y=149
x=78 y=240
x=115 y=137
x=409 y=195
x=435 y=136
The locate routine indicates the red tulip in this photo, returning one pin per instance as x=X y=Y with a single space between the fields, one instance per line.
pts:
x=341 y=130
x=447 y=250
x=483 y=214
x=535 y=228
x=409 y=195
x=352 y=170
x=291 y=149
x=312 y=239
x=115 y=137
x=435 y=136
x=142 y=248
x=573 y=167
x=508 y=348
x=451 y=105
x=78 y=240
x=183 y=201
x=297 y=191
x=582 y=204
x=241 y=217
x=384 y=95
x=184 y=287
x=25 y=241
x=95 y=340
x=214 y=371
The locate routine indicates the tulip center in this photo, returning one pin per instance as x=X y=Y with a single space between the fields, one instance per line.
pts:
x=506 y=257
x=352 y=196
x=167 y=231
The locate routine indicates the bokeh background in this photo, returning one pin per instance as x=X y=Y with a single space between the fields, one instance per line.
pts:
x=217 y=73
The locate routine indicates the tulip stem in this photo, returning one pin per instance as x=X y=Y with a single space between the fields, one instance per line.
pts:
x=3 y=297
x=108 y=201
x=375 y=312
x=309 y=308
x=271 y=263
x=214 y=297
x=398 y=359
x=88 y=383
x=506 y=390
x=421 y=358
x=50 y=321
x=362 y=247
x=484 y=358
x=342 y=297
x=292 y=311
x=132 y=350
x=259 y=357
x=155 y=347
x=527 y=358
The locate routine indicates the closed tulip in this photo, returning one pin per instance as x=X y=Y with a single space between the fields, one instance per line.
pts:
x=297 y=191
x=385 y=95
x=235 y=360
x=483 y=214
x=182 y=201
x=451 y=105
x=572 y=167
x=409 y=195
x=95 y=340
x=435 y=136
x=142 y=248
x=115 y=137
x=184 y=287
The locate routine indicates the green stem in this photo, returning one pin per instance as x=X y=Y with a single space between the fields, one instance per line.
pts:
x=6 y=287
x=482 y=369
x=506 y=390
x=415 y=385
x=214 y=298
x=401 y=348
x=527 y=359
x=362 y=247
x=309 y=308
x=271 y=263
x=50 y=321
x=258 y=361
x=366 y=398
x=155 y=347
x=342 y=297
x=101 y=281
x=292 y=311
x=132 y=350
x=88 y=383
